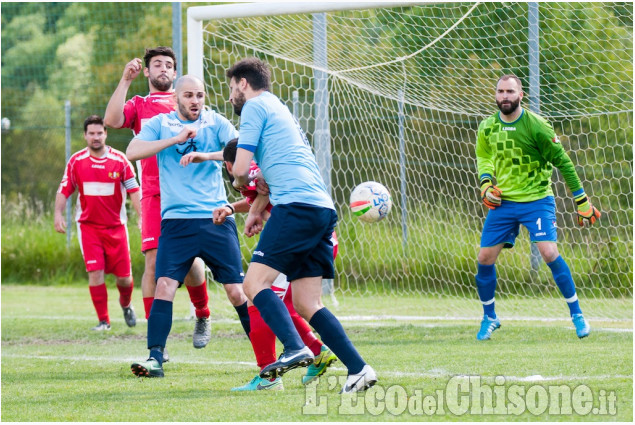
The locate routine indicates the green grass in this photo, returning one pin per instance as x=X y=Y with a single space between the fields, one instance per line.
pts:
x=55 y=369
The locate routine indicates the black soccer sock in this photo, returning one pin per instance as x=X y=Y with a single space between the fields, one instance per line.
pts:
x=334 y=336
x=243 y=315
x=277 y=317
x=159 y=326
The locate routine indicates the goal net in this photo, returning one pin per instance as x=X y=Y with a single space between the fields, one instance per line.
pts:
x=394 y=93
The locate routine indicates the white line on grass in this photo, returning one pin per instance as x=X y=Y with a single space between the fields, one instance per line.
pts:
x=372 y=320
x=434 y=373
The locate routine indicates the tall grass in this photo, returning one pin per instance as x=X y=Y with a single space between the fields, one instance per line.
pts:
x=439 y=257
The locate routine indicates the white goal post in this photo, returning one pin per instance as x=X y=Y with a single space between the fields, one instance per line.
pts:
x=394 y=92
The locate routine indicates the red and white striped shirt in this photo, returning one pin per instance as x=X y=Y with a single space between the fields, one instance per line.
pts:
x=137 y=111
x=102 y=184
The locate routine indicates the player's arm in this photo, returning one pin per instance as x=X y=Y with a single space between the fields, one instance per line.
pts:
x=490 y=194
x=139 y=148
x=196 y=157
x=60 y=206
x=553 y=151
x=114 y=116
x=256 y=217
x=240 y=170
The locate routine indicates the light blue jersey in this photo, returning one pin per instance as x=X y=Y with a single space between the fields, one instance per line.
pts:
x=282 y=152
x=196 y=190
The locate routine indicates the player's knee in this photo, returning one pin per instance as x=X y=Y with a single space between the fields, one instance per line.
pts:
x=124 y=281
x=549 y=255
x=486 y=258
x=166 y=289
x=235 y=294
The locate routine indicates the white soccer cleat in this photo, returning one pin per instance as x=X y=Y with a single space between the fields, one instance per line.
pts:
x=360 y=381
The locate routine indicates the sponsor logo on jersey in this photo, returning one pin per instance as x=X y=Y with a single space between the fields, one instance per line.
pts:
x=161 y=100
x=102 y=167
x=509 y=128
x=148 y=239
x=259 y=253
x=91 y=262
x=555 y=140
x=541 y=234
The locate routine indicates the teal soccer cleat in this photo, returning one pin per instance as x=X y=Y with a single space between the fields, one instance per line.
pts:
x=150 y=368
x=582 y=328
x=259 y=384
x=321 y=362
x=488 y=326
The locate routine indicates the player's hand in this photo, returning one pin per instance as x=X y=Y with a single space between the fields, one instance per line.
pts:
x=253 y=224
x=587 y=213
x=261 y=185
x=60 y=224
x=219 y=215
x=188 y=132
x=192 y=157
x=132 y=69
x=490 y=194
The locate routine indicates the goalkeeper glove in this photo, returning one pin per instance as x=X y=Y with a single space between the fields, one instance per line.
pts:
x=586 y=211
x=490 y=194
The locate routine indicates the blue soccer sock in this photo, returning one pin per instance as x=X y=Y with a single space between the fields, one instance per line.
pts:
x=564 y=280
x=334 y=336
x=277 y=317
x=243 y=315
x=159 y=326
x=486 y=287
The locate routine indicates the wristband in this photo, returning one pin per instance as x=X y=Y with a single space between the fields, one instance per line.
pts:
x=231 y=208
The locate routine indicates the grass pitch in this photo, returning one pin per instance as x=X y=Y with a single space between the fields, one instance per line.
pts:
x=55 y=369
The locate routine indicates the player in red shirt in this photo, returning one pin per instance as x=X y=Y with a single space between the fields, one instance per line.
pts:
x=102 y=176
x=160 y=69
x=262 y=338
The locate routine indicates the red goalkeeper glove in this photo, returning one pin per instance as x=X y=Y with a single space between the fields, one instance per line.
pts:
x=586 y=212
x=490 y=194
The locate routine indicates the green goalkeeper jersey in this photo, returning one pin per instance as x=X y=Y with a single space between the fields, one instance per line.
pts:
x=521 y=155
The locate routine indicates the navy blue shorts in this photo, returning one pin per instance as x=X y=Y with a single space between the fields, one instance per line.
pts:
x=297 y=241
x=182 y=240
x=503 y=223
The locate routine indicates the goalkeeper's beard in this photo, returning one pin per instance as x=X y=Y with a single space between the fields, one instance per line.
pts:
x=508 y=108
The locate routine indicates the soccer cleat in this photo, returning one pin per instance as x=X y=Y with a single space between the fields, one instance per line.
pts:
x=150 y=369
x=360 y=381
x=488 y=326
x=582 y=328
x=202 y=332
x=129 y=316
x=258 y=384
x=102 y=326
x=320 y=363
x=288 y=360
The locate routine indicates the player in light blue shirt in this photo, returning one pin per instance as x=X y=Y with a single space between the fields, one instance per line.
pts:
x=188 y=197
x=297 y=238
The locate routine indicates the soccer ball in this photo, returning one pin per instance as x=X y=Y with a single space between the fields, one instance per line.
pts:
x=370 y=202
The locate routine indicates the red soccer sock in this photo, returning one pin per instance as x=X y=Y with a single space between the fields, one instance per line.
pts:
x=198 y=295
x=125 y=294
x=147 y=305
x=303 y=328
x=262 y=338
x=99 y=295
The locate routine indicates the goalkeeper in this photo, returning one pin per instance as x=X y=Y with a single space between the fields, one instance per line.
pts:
x=519 y=149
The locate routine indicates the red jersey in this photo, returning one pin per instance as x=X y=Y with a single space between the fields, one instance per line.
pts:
x=250 y=192
x=137 y=111
x=102 y=184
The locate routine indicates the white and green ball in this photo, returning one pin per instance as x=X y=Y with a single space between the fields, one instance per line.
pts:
x=370 y=202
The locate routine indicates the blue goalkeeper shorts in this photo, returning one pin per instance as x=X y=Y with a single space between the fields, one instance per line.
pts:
x=503 y=223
